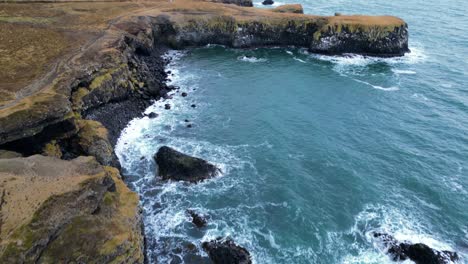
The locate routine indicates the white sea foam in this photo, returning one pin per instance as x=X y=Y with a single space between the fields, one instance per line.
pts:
x=289 y=52
x=416 y=55
x=251 y=59
x=388 y=89
x=299 y=60
x=362 y=247
x=408 y=72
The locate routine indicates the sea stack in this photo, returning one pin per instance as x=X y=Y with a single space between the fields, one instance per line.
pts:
x=174 y=165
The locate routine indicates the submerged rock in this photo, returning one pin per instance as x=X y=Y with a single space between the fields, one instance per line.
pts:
x=174 y=165
x=225 y=251
x=197 y=219
x=167 y=106
x=152 y=115
x=419 y=252
x=268 y=2
x=184 y=94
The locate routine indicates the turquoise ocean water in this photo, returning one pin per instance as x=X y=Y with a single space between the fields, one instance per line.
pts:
x=316 y=152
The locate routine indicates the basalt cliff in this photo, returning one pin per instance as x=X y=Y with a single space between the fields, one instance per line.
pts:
x=72 y=74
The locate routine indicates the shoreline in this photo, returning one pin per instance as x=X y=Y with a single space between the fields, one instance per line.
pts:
x=115 y=77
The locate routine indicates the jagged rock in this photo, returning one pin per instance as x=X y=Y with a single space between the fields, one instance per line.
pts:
x=6 y=154
x=268 y=2
x=226 y=252
x=174 y=165
x=167 y=106
x=56 y=211
x=293 y=8
x=92 y=140
x=419 y=253
x=197 y=219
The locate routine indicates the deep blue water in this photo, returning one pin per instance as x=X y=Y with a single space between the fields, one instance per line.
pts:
x=316 y=152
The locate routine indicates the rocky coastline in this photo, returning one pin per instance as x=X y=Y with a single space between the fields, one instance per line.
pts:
x=57 y=140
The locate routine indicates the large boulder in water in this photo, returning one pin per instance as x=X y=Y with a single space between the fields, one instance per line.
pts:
x=174 y=165
x=226 y=252
x=419 y=252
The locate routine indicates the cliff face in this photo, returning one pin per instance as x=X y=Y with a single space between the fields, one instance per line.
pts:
x=326 y=35
x=67 y=211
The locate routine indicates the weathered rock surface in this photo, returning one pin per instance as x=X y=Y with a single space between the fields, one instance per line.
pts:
x=293 y=8
x=372 y=36
x=174 y=165
x=419 y=253
x=56 y=211
x=226 y=251
x=92 y=140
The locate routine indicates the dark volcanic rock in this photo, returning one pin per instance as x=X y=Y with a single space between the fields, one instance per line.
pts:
x=167 y=106
x=226 y=252
x=193 y=105
x=419 y=253
x=372 y=36
x=248 y=3
x=152 y=115
x=174 y=165
x=184 y=94
x=268 y=2
x=197 y=219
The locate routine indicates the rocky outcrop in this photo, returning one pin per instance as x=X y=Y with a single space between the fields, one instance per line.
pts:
x=174 y=165
x=56 y=211
x=268 y=2
x=293 y=8
x=197 y=219
x=92 y=140
x=419 y=253
x=373 y=36
x=225 y=251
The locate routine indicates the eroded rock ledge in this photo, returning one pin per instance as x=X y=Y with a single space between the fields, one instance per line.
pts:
x=56 y=211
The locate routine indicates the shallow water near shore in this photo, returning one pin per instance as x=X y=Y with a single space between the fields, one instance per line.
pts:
x=317 y=152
